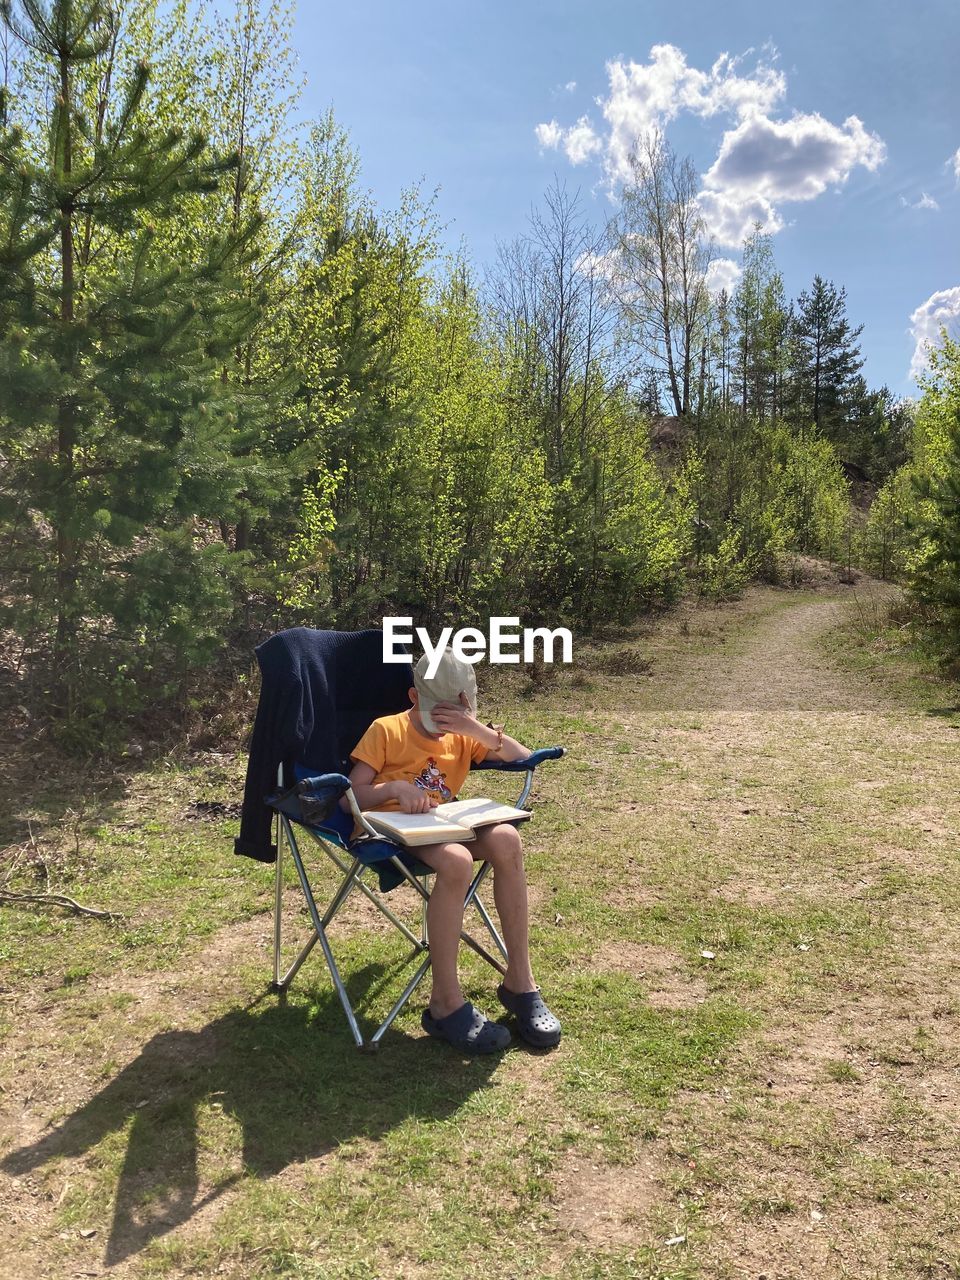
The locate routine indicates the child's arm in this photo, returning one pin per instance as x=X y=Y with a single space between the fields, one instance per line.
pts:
x=451 y=718
x=371 y=795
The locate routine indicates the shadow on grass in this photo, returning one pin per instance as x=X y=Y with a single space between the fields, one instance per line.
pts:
x=43 y=793
x=290 y=1077
x=944 y=713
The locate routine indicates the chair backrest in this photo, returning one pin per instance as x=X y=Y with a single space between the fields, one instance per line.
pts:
x=344 y=685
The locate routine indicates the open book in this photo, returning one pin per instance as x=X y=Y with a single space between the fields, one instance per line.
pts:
x=456 y=820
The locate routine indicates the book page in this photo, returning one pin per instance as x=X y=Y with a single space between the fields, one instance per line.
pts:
x=417 y=828
x=480 y=812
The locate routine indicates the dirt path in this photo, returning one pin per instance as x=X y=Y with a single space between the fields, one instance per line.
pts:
x=781 y=668
x=826 y=788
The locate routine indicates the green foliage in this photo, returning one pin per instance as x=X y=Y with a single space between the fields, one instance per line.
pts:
x=237 y=395
x=725 y=572
x=122 y=438
x=302 y=579
x=761 y=319
x=877 y=431
x=903 y=533
x=828 y=357
x=620 y=539
x=759 y=496
x=811 y=493
x=887 y=541
x=933 y=563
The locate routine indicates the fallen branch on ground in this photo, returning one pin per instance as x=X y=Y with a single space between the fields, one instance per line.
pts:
x=58 y=900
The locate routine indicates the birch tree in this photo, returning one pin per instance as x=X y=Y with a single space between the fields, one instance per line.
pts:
x=659 y=259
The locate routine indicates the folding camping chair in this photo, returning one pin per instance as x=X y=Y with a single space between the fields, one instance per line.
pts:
x=343 y=693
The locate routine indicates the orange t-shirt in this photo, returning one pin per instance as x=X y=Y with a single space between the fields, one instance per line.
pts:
x=397 y=751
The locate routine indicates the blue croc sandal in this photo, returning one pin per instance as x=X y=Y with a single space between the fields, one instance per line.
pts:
x=536 y=1023
x=467 y=1030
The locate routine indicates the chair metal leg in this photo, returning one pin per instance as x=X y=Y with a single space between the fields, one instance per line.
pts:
x=352 y=872
x=278 y=908
x=424 y=965
x=464 y=936
x=485 y=917
x=484 y=954
x=341 y=990
x=374 y=898
x=320 y=929
x=282 y=981
x=482 y=872
x=294 y=969
x=478 y=880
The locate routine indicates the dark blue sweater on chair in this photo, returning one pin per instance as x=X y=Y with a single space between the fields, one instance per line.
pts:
x=320 y=691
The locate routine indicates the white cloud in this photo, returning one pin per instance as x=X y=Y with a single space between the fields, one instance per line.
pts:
x=925 y=202
x=597 y=264
x=941 y=310
x=549 y=135
x=570 y=86
x=794 y=159
x=955 y=162
x=644 y=96
x=762 y=162
x=581 y=142
x=730 y=217
x=723 y=273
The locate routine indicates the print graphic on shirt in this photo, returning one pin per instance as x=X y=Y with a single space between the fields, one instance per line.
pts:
x=432 y=780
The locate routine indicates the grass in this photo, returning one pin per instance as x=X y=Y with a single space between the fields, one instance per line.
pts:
x=742 y=781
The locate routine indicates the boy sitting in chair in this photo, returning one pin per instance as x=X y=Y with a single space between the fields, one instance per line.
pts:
x=413 y=762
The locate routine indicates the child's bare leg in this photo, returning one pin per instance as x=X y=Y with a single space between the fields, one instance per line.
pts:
x=454 y=867
x=502 y=847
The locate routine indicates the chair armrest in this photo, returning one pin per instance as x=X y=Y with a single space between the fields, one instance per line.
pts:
x=526 y=765
x=322 y=782
x=326 y=789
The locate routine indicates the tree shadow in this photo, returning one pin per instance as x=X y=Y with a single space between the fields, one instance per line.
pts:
x=46 y=787
x=944 y=713
x=43 y=790
x=288 y=1074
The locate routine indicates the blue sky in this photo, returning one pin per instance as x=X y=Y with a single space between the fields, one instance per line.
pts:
x=839 y=124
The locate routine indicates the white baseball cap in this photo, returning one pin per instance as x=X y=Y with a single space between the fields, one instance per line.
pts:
x=452 y=677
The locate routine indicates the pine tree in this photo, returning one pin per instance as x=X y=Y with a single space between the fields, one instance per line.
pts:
x=877 y=431
x=120 y=434
x=758 y=313
x=828 y=358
